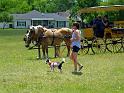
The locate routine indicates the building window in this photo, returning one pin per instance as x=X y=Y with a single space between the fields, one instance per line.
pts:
x=51 y=24
x=45 y=22
x=21 y=23
x=61 y=24
x=37 y=22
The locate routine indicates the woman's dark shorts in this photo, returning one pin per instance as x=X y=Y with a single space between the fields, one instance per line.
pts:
x=75 y=49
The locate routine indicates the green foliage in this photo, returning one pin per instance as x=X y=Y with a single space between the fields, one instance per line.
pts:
x=117 y=2
x=21 y=6
x=5 y=17
x=88 y=3
x=5 y=5
x=114 y=15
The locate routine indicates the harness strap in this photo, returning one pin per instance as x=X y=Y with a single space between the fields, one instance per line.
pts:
x=40 y=37
x=53 y=38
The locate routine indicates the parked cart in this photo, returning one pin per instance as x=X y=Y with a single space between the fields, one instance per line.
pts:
x=113 y=39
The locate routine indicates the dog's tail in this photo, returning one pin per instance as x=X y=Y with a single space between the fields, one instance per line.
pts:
x=63 y=61
x=60 y=65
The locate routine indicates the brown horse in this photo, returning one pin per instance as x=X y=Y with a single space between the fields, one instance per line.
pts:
x=32 y=35
x=55 y=38
x=48 y=37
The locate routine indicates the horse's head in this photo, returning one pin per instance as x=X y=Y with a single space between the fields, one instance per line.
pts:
x=33 y=34
x=66 y=35
x=66 y=32
x=28 y=37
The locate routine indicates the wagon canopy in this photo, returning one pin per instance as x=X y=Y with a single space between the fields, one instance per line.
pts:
x=102 y=8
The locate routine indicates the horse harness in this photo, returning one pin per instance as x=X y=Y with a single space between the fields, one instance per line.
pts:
x=53 y=37
x=42 y=36
x=39 y=39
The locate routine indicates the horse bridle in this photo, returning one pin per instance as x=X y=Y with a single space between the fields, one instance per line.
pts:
x=41 y=36
x=67 y=36
x=39 y=39
x=29 y=38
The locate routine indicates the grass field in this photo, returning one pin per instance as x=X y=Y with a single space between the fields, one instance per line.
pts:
x=21 y=72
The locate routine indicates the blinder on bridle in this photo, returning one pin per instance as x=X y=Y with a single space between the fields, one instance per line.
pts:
x=47 y=61
x=27 y=37
x=30 y=36
x=67 y=36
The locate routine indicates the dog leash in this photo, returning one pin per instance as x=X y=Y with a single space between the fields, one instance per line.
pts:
x=62 y=51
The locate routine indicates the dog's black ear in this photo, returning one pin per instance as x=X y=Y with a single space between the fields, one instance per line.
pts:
x=47 y=60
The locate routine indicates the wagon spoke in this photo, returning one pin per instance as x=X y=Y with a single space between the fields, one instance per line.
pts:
x=114 y=45
x=98 y=46
x=84 y=47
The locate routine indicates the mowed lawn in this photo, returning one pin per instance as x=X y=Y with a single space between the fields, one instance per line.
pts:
x=21 y=72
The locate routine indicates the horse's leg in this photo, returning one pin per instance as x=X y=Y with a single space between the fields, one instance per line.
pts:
x=43 y=50
x=47 y=52
x=39 y=54
x=68 y=43
x=58 y=51
x=55 y=51
x=68 y=48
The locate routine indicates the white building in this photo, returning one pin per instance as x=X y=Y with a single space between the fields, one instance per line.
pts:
x=50 y=20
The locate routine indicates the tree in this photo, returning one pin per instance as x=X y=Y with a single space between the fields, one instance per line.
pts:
x=114 y=15
x=5 y=18
x=79 y=4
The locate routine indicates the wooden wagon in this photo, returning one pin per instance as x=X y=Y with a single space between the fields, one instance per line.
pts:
x=113 y=39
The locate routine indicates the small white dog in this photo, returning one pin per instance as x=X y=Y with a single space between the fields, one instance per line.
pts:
x=55 y=64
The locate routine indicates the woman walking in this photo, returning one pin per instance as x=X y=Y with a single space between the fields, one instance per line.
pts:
x=75 y=44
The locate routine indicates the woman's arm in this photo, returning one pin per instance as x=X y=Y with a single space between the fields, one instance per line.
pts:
x=77 y=37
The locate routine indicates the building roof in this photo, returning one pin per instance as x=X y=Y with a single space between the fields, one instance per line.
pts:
x=64 y=14
x=36 y=14
x=67 y=14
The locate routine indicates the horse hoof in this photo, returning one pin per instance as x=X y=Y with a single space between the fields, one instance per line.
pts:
x=38 y=58
x=57 y=56
x=43 y=57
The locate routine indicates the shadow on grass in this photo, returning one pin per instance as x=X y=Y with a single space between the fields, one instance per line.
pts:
x=34 y=59
x=43 y=59
x=77 y=73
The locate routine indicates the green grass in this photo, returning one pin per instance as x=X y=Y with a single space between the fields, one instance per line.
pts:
x=21 y=72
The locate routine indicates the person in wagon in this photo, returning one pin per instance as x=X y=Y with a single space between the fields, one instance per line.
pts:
x=106 y=21
x=75 y=45
x=99 y=31
x=93 y=23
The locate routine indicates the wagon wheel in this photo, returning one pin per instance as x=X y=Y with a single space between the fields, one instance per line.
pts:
x=98 y=46
x=84 y=47
x=114 y=44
